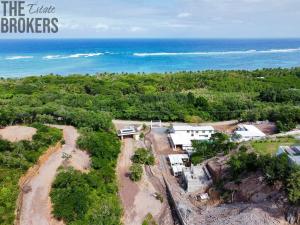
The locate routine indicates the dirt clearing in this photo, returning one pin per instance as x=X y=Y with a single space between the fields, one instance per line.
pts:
x=137 y=198
x=17 y=133
x=36 y=204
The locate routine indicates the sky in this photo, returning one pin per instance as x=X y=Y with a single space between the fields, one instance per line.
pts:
x=174 y=18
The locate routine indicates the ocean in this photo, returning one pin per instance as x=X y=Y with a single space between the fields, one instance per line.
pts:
x=20 y=58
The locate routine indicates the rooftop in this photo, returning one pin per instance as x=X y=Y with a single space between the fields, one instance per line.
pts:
x=177 y=169
x=178 y=158
x=194 y=128
x=292 y=151
x=127 y=131
x=179 y=139
x=249 y=131
x=185 y=139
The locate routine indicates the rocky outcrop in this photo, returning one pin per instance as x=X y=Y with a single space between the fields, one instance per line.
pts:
x=253 y=189
x=293 y=215
x=218 y=167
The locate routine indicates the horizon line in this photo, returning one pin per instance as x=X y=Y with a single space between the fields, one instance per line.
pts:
x=149 y=38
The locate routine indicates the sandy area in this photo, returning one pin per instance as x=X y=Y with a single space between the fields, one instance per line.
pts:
x=267 y=128
x=36 y=207
x=17 y=133
x=137 y=198
x=80 y=161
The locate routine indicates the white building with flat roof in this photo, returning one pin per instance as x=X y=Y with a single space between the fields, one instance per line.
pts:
x=248 y=132
x=182 y=136
x=178 y=162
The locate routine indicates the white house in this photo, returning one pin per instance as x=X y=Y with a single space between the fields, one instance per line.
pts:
x=197 y=178
x=182 y=136
x=293 y=153
x=248 y=132
x=178 y=162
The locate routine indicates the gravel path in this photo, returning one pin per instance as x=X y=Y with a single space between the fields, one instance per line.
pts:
x=36 y=205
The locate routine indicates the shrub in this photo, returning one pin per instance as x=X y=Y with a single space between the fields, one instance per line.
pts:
x=149 y=220
x=136 y=172
x=293 y=186
x=5 y=145
x=69 y=196
x=159 y=197
x=193 y=119
x=143 y=156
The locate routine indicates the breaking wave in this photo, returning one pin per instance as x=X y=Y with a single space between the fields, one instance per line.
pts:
x=18 y=57
x=78 y=55
x=270 y=51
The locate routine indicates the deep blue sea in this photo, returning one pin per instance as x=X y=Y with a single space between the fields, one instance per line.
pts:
x=68 y=56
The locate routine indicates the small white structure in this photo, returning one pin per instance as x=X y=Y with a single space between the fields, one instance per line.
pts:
x=293 y=153
x=197 y=178
x=128 y=132
x=155 y=124
x=182 y=136
x=178 y=162
x=248 y=132
x=204 y=197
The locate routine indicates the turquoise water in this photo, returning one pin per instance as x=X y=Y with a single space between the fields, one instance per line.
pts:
x=38 y=57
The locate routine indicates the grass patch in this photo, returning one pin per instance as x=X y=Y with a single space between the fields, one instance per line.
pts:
x=149 y=220
x=271 y=146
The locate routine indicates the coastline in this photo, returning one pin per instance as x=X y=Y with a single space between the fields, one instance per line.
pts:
x=25 y=57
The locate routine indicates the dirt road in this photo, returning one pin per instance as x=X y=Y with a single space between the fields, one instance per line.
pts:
x=36 y=205
x=124 y=123
x=137 y=198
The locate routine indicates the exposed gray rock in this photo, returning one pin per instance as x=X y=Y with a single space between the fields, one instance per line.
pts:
x=293 y=215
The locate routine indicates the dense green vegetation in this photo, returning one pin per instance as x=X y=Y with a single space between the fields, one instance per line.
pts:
x=90 y=199
x=90 y=102
x=218 y=143
x=15 y=159
x=143 y=156
x=273 y=169
x=70 y=195
x=85 y=101
x=293 y=186
x=136 y=172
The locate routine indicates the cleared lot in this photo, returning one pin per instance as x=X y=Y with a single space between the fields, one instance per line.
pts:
x=137 y=198
x=36 y=204
x=17 y=133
